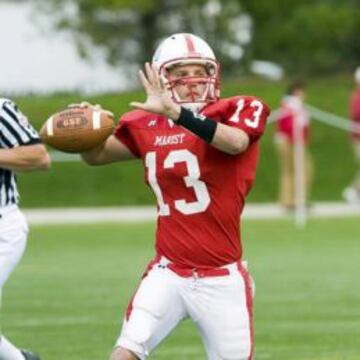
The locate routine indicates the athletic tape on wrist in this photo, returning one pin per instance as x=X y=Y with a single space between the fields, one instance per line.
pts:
x=200 y=125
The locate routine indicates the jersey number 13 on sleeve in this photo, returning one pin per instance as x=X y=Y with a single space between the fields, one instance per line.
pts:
x=252 y=122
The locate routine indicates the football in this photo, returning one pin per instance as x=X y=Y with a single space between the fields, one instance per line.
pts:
x=77 y=129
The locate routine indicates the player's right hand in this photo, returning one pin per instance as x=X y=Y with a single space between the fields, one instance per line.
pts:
x=158 y=99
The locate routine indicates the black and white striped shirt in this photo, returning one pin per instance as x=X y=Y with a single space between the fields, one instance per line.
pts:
x=15 y=131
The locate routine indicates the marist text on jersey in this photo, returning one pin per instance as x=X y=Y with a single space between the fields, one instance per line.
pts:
x=161 y=140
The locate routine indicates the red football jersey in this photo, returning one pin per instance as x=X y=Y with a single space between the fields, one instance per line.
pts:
x=200 y=190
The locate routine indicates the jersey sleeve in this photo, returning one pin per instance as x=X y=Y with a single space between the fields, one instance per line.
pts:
x=124 y=132
x=248 y=114
x=15 y=129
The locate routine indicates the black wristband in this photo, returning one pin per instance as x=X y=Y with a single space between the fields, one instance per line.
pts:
x=200 y=125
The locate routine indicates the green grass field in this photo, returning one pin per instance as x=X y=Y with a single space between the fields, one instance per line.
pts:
x=67 y=297
x=75 y=184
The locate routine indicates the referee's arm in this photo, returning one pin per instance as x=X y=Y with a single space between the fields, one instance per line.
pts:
x=20 y=146
x=25 y=158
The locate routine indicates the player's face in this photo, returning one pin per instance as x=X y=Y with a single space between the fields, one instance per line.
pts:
x=189 y=81
x=300 y=93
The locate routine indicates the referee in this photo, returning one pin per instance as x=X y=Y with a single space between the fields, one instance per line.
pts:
x=20 y=150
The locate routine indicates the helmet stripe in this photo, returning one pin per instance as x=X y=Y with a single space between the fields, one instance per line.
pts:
x=189 y=43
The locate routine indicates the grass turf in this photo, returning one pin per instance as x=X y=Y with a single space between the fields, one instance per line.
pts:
x=67 y=297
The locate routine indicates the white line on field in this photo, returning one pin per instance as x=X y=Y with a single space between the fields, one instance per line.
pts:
x=52 y=321
x=148 y=213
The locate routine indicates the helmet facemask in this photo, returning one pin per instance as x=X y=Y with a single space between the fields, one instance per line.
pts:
x=194 y=101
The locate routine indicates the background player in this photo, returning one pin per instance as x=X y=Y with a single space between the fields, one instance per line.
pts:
x=292 y=109
x=200 y=154
x=20 y=150
x=352 y=193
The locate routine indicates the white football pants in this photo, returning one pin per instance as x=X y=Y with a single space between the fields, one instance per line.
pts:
x=13 y=234
x=220 y=306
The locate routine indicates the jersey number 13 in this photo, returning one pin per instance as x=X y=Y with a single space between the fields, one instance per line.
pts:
x=192 y=180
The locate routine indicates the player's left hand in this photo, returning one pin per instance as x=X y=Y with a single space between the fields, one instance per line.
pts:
x=158 y=99
x=85 y=104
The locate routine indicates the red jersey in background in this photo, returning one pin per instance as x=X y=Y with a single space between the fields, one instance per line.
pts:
x=292 y=108
x=355 y=113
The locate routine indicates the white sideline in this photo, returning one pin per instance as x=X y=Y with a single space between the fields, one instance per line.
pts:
x=148 y=213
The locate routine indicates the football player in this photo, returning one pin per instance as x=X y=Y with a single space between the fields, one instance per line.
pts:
x=20 y=150
x=199 y=154
x=292 y=112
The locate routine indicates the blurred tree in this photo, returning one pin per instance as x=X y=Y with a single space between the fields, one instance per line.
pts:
x=128 y=30
x=303 y=36
x=306 y=36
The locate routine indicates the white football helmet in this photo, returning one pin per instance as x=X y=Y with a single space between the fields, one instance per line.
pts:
x=183 y=49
